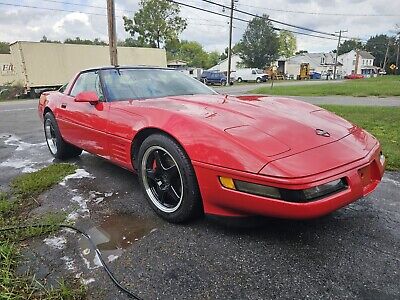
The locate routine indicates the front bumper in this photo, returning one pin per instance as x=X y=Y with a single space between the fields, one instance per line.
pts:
x=362 y=178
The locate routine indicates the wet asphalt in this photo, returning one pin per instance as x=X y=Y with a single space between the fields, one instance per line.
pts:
x=352 y=253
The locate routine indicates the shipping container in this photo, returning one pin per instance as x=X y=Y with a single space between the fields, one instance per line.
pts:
x=46 y=65
x=7 y=72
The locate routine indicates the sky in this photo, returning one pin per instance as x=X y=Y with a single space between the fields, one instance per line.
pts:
x=30 y=24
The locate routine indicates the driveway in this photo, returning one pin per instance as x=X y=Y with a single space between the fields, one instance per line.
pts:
x=352 y=253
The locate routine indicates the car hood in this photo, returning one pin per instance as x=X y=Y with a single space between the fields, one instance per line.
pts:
x=291 y=122
x=266 y=125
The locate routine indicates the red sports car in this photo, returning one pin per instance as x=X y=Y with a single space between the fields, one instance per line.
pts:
x=197 y=151
x=354 y=76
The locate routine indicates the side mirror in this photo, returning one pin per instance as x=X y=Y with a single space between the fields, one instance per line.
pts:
x=90 y=97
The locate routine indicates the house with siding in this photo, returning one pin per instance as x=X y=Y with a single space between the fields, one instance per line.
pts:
x=365 y=64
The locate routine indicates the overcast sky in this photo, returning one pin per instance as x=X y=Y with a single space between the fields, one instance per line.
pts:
x=21 y=23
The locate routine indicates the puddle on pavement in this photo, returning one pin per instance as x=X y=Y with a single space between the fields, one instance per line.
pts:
x=113 y=235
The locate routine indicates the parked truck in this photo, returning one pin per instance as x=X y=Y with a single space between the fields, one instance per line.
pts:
x=249 y=74
x=40 y=66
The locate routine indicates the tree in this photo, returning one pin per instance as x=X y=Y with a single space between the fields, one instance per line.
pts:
x=235 y=50
x=301 y=52
x=349 y=45
x=287 y=43
x=213 y=59
x=4 y=48
x=130 y=42
x=80 y=41
x=377 y=45
x=46 y=40
x=259 y=45
x=193 y=53
x=156 y=22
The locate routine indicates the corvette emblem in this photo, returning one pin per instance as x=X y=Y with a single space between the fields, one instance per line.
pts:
x=322 y=132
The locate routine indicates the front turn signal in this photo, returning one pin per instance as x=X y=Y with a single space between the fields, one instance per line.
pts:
x=227 y=182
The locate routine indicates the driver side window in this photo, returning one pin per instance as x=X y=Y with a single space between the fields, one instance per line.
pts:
x=88 y=82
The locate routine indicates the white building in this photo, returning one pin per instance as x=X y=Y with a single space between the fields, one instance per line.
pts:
x=365 y=63
x=322 y=63
x=223 y=65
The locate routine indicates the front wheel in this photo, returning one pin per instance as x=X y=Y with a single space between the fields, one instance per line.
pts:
x=57 y=146
x=168 y=179
x=258 y=80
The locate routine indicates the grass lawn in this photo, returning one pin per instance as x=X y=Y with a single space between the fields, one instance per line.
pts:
x=14 y=209
x=382 y=122
x=381 y=86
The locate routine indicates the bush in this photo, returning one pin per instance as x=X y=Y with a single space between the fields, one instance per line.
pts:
x=11 y=91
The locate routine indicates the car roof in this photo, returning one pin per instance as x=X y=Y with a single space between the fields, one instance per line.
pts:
x=125 y=67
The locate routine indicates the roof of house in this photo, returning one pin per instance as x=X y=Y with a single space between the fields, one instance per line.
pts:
x=366 y=54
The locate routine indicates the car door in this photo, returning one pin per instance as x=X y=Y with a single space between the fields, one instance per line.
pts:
x=84 y=124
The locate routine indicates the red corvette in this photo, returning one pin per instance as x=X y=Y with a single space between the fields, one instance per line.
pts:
x=197 y=151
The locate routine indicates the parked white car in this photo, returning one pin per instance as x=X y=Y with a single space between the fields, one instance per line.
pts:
x=250 y=74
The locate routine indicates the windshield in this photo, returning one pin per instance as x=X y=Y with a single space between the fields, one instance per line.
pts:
x=260 y=71
x=126 y=84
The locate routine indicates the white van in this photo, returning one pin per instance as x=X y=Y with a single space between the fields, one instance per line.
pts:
x=249 y=74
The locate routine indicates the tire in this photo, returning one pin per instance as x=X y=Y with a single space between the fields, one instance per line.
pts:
x=59 y=148
x=258 y=80
x=223 y=82
x=168 y=179
x=239 y=80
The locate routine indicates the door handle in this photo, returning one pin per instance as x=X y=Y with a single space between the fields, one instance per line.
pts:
x=64 y=105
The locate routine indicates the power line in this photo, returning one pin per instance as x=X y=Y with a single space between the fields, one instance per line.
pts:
x=183 y=4
x=207 y=10
x=247 y=21
x=52 y=9
x=272 y=20
x=84 y=5
x=210 y=22
x=319 y=13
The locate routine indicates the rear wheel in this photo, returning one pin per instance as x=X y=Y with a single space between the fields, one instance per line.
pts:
x=239 y=80
x=168 y=179
x=57 y=146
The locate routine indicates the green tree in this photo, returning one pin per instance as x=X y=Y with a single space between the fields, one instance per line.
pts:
x=259 y=45
x=193 y=53
x=287 y=43
x=377 y=45
x=131 y=42
x=80 y=41
x=4 y=48
x=301 y=52
x=213 y=59
x=235 y=50
x=156 y=22
x=46 y=40
x=349 y=45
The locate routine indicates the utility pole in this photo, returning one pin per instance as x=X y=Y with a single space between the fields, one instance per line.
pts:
x=397 y=59
x=386 y=57
x=112 y=33
x=337 y=52
x=230 y=43
x=357 y=61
